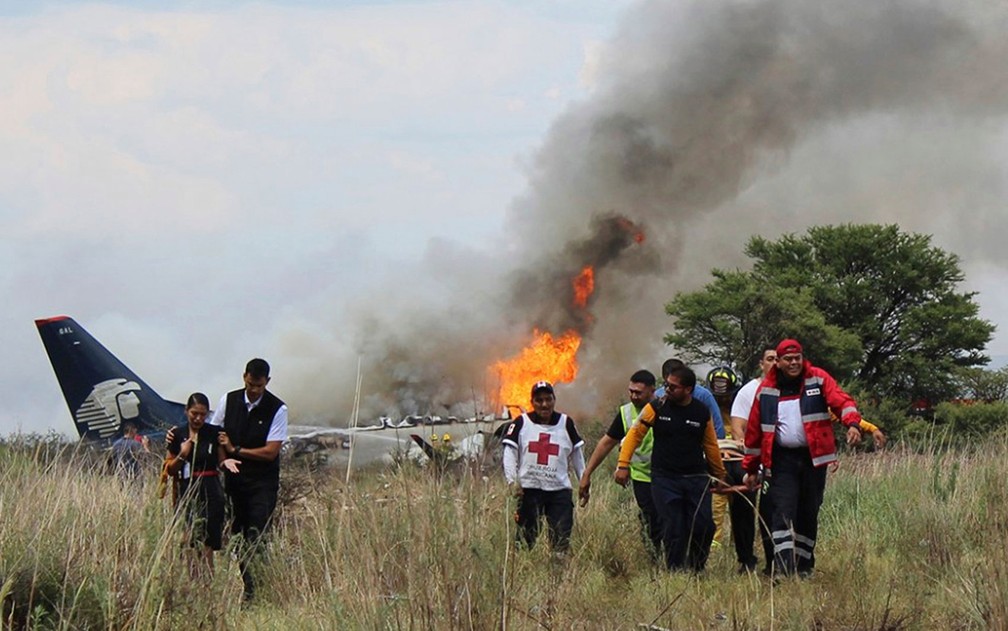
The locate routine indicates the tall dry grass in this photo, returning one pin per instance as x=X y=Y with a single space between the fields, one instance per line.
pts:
x=907 y=541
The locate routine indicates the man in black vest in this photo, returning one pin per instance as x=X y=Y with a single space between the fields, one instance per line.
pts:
x=255 y=427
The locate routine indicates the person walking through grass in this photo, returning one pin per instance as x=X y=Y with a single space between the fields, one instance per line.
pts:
x=685 y=458
x=254 y=423
x=641 y=390
x=790 y=434
x=195 y=456
x=540 y=449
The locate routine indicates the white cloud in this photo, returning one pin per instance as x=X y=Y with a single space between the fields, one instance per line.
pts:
x=166 y=173
x=516 y=105
x=172 y=121
x=414 y=165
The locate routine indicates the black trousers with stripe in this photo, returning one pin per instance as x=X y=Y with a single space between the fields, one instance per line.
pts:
x=796 y=490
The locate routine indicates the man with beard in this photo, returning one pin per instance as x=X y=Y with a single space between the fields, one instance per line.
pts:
x=641 y=389
x=254 y=421
x=684 y=456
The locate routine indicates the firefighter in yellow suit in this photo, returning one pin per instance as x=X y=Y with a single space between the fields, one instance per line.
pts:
x=723 y=384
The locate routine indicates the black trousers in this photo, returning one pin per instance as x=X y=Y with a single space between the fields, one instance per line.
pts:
x=203 y=502
x=763 y=525
x=684 y=505
x=253 y=500
x=742 y=516
x=796 y=490
x=650 y=520
x=744 y=524
x=556 y=506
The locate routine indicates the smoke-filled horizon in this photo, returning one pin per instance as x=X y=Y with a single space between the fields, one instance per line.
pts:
x=711 y=122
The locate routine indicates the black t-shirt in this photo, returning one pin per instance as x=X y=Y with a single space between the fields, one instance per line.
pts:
x=616 y=430
x=678 y=438
x=203 y=457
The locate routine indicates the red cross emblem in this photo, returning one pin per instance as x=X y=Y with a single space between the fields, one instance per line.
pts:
x=543 y=448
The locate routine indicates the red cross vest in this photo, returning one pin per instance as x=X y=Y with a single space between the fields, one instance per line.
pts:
x=543 y=452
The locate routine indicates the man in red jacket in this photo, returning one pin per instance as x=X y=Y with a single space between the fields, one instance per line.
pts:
x=791 y=435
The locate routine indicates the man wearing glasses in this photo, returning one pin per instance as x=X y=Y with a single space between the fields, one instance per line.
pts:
x=642 y=391
x=790 y=433
x=684 y=458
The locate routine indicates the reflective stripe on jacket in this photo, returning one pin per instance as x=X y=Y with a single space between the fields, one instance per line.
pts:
x=819 y=394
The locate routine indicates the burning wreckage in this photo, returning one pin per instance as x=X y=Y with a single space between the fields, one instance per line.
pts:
x=104 y=395
x=566 y=292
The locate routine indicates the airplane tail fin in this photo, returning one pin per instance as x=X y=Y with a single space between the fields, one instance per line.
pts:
x=101 y=392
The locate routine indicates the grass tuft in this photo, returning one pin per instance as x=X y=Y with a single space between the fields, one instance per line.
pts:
x=908 y=540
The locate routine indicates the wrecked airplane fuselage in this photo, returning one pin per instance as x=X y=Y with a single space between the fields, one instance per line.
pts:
x=387 y=443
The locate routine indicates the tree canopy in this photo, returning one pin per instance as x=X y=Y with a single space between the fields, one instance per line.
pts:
x=868 y=302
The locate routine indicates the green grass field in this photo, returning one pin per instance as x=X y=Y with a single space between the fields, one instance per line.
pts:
x=907 y=541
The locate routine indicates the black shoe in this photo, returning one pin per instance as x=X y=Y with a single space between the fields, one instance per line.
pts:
x=248 y=585
x=747 y=568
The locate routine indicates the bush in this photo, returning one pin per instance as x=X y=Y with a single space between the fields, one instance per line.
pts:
x=970 y=423
x=953 y=424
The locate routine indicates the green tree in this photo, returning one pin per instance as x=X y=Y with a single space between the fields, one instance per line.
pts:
x=735 y=317
x=894 y=292
x=984 y=385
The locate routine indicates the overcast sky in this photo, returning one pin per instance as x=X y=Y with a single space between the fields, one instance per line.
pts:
x=225 y=180
x=175 y=179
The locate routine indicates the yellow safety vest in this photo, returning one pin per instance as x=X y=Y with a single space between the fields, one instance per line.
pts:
x=640 y=464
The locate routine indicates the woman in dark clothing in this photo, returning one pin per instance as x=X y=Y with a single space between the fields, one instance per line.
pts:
x=195 y=456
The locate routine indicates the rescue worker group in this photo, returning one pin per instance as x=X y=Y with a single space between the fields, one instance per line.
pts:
x=769 y=477
x=687 y=475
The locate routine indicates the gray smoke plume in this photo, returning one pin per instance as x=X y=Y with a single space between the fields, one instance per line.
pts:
x=547 y=287
x=710 y=122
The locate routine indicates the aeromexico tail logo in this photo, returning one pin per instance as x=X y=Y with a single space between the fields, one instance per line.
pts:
x=109 y=404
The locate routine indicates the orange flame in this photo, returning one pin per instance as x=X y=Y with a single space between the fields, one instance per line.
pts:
x=545 y=358
x=629 y=226
x=584 y=285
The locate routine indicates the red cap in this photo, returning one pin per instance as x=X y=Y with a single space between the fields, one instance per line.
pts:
x=788 y=346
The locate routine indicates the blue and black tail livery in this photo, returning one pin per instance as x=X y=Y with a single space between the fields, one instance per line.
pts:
x=101 y=392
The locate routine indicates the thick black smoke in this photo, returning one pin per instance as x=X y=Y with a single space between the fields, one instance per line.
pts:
x=710 y=121
x=547 y=288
